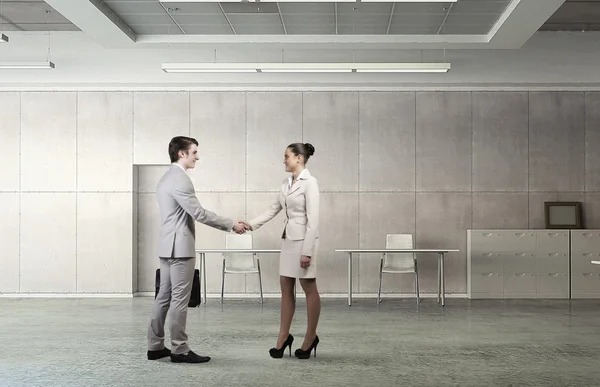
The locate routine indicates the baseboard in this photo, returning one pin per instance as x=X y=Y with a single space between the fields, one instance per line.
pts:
x=323 y=295
x=66 y=295
x=218 y=295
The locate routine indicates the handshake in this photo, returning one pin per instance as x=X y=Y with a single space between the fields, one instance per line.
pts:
x=241 y=226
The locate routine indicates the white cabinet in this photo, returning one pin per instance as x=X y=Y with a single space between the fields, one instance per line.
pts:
x=518 y=263
x=585 y=277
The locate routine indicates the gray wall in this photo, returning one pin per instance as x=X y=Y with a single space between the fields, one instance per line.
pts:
x=430 y=163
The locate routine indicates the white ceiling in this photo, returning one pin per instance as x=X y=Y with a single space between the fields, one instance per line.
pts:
x=466 y=24
x=31 y=15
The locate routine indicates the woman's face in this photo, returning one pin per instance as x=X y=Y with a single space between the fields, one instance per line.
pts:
x=290 y=160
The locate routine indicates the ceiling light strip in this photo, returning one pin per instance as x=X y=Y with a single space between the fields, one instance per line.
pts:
x=247 y=1
x=306 y=67
x=28 y=65
x=303 y=1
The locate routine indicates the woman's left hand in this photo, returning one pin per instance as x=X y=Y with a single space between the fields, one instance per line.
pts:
x=304 y=262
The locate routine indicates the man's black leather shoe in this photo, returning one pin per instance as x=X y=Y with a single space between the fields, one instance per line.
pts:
x=191 y=357
x=159 y=354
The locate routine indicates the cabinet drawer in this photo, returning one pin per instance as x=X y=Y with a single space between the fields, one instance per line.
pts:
x=520 y=263
x=585 y=285
x=521 y=283
x=486 y=262
x=503 y=241
x=553 y=241
x=553 y=263
x=587 y=241
x=486 y=283
x=553 y=283
x=582 y=263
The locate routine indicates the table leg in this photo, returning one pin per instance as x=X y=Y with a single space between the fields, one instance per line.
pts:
x=349 y=279
x=204 y=275
x=439 y=278
x=443 y=281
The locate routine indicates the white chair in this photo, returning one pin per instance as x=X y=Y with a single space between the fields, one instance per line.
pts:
x=399 y=263
x=240 y=263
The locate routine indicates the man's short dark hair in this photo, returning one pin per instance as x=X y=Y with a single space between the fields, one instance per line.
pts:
x=180 y=143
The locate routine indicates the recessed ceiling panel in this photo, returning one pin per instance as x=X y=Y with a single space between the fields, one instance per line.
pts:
x=242 y=8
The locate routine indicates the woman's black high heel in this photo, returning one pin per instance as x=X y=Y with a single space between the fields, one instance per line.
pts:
x=278 y=353
x=301 y=354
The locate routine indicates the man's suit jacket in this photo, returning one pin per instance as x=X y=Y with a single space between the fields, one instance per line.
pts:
x=179 y=207
x=301 y=204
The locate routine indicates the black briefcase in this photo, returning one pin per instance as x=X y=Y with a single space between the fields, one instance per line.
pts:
x=194 y=297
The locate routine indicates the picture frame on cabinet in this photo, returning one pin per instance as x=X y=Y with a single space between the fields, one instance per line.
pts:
x=563 y=215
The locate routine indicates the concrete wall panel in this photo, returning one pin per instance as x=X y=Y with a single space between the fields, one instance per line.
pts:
x=158 y=117
x=387 y=141
x=48 y=141
x=556 y=141
x=218 y=122
x=104 y=249
x=274 y=120
x=330 y=124
x=500 y=141
x=10 y=129
x=443 y=141
x=104 y=141
x=48 y=243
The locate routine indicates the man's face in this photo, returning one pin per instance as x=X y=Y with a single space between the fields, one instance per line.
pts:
x=188 y=159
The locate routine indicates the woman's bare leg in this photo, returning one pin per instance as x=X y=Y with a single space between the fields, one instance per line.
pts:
x=313 y=310
x=288 y=306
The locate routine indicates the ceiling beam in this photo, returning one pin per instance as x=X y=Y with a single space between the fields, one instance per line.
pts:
x=520 y=21
x=445 y=18
x=167 y=10
x=97 y=20
x=335 y=11
x=316 y=41
x=387 y=31
x=227 y=18
x=281 y=17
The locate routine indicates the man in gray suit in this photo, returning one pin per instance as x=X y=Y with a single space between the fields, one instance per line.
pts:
x=179 y=208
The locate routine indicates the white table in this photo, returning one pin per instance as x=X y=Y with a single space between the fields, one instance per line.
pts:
x=202 y=255
x=441 y=276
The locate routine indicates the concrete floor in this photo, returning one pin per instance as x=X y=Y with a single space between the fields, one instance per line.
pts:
x=102 y=342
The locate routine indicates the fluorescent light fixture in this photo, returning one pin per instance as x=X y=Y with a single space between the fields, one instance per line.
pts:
x=32 y=65
x=3 y=38
x=304 y=1
x=249 y=1
x=306 y=67
x=408 y=1
x=402 y=67
x=209 y=67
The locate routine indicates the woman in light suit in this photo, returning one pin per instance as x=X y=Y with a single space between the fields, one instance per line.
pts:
x=299 y=196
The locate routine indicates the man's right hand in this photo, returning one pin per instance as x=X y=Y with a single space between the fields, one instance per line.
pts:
x=240 y=227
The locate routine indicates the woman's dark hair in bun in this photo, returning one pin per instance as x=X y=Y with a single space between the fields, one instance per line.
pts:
x=305 y=150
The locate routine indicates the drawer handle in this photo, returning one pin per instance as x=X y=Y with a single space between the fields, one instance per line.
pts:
x=588 y=274
x=587 y=254
x=587 y=234
x=520 y=234
x=552 y=234
x=487 y=274
x=486 y=234
x=553 y=275
x=487 y=254
x=552 y=254
x=519 y=274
